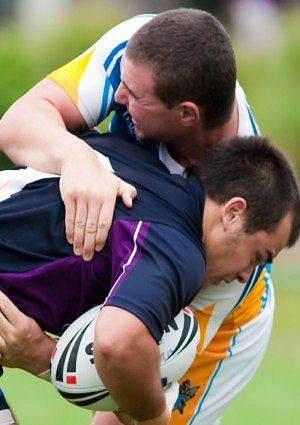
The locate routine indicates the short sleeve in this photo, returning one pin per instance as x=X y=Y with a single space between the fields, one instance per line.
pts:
x=92 y=78
x=159 y=275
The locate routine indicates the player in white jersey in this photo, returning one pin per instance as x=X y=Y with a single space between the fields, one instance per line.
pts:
x=82 y=93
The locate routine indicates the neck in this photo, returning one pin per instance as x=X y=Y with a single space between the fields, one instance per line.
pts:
x=209 y=219
x=194 y=144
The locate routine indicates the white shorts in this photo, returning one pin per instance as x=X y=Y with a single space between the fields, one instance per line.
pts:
x=229 y=361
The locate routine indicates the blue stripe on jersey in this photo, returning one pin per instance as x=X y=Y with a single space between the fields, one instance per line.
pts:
x=103 y=111
x=254 y=127
x=250 y=284
x=268 y=267
x=115 y=73
x=113 y=78
x=229 y=351
x=206 y=393
x=3 y=404
x=211 y=381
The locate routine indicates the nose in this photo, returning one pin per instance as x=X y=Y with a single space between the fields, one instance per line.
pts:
x=120 y=95
x=244 y=275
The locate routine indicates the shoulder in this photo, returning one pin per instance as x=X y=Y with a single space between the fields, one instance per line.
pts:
x=118 y=36
x=247 y=123
x=162 y=274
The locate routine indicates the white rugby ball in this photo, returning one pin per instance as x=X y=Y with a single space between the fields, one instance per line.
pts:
x=74 y=374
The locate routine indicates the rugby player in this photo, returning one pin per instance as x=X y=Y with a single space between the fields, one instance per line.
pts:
x=179 y=235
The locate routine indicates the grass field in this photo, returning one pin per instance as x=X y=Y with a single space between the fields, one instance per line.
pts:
x=271 y=398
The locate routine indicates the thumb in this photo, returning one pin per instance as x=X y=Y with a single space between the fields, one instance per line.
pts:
x=127 y=192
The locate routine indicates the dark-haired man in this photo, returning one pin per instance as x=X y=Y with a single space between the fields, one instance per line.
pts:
x=175 y=85
x=180 y=234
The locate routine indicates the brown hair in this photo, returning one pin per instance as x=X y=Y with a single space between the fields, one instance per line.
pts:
x=191 y=58
x=254 y=169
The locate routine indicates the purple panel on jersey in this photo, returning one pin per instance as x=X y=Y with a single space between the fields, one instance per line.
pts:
x=125 y=255
x=56 y=293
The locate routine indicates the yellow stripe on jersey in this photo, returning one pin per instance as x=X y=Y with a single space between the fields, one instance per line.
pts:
x=200 y=373
x=203 y=317
x=197 y=379
x=250 y=306
x=69 y=75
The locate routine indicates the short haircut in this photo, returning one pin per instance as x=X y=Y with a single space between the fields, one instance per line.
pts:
x=254 y=169
x=191 y=58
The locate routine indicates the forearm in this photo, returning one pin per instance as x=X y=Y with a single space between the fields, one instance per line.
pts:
x=130 y=369
x=32 y=132
x=134 y=383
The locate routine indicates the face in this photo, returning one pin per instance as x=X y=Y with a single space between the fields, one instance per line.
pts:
x=233 y=254
x=151 y=118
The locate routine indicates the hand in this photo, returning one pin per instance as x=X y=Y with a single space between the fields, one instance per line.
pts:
x=22 y=342
x=89 y=202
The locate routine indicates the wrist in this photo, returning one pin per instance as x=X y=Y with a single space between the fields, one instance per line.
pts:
x=162 y=419
x=43 y=361
x=45 y=376
x=70 y=158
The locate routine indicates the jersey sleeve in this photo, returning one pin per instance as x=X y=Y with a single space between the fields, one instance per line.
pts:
x=92 y=78
x=160 y=273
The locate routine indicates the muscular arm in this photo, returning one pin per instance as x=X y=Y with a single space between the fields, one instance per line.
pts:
x=127 y=359
x=33 y=130
x=37 y=131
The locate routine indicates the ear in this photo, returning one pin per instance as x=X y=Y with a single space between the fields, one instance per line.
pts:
x=233 y=212
x=189 y=113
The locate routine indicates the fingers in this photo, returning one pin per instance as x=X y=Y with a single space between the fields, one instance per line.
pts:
x=4 y=331
x=79 y=229
x=127 y=192
x=89 y=213
x=8 y=309
x=70 y=211
x=104 y=222
x=89 y=225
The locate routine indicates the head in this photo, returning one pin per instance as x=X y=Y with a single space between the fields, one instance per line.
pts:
x=253 y=206
x=188 y=57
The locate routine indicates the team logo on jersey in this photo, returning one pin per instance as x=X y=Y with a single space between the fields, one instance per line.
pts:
x=186 y=392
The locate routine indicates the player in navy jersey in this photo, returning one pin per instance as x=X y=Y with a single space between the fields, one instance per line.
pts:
x=170 y=78
x=166 y=217
x=157 y=256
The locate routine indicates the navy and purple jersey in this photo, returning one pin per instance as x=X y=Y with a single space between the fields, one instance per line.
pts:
x=152 y=264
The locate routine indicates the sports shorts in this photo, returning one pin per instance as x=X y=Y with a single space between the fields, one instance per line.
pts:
x=226 y=365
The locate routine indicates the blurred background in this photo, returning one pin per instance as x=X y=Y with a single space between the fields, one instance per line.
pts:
x=38 y=36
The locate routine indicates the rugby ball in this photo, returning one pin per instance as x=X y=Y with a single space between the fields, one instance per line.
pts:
x=74 y=374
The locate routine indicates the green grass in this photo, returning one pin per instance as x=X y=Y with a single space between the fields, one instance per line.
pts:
x=36 y=402
x=271 y=398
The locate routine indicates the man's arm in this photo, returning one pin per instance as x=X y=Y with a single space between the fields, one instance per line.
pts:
x=37 y=131
x=127 y=359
